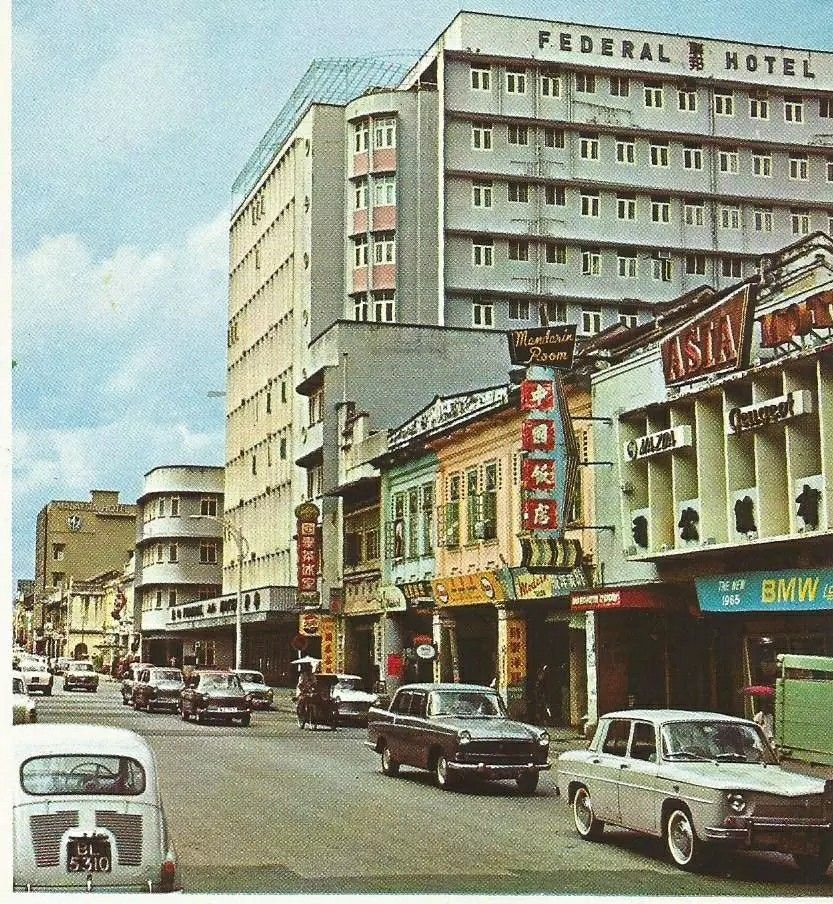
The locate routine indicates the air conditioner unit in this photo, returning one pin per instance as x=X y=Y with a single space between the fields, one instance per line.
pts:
x=809 y=504
x=744 y=515
x=688 y=528
x=639 y=529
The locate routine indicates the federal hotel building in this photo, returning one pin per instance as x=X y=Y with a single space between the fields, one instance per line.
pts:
x=522 y=171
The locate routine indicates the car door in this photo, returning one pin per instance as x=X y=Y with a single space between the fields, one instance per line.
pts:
x=414 y=730
x=394 y=729
x=607 y=763
x=638 y=785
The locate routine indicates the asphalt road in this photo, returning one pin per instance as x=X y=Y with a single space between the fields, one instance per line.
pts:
x=271 y=808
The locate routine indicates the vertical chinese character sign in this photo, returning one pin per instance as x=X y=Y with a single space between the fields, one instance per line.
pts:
x=308 y=553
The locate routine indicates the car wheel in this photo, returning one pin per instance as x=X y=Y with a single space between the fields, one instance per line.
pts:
x=389 y=764
x=685 y=848
x=527 y=782
x=588 y=827
x=444 y=776
x=814 y=866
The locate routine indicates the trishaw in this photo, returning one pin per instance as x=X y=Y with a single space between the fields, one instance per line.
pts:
x=317 y=706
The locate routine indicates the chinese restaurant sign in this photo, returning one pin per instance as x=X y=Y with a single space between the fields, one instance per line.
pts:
x=308 y=553
x=793 y=590
x=328 y=645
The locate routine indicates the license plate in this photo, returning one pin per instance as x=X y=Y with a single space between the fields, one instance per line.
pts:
x=226 y=709
x=89 y=855
x=789 y=842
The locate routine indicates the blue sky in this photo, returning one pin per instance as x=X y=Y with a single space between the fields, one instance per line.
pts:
x=129 y=124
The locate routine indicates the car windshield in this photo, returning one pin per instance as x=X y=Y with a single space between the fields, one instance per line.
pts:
x=168 y=675
x=468 y=704
x=715 y=740
x=220 y=682
x=82 y=667
x=82 y=773
x=251 y=677
x=18 y=687
x=346 y=683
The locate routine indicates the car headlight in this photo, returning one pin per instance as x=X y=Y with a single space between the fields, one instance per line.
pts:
x=736 y=801
x=464 y=737
x=544 y=739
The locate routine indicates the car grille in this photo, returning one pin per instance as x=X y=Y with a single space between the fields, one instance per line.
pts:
x=127 y=830
x=809 y=806
x=498 y=751
x=47 y=830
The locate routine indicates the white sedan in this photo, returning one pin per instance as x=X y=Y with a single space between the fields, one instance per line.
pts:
x=353 y=701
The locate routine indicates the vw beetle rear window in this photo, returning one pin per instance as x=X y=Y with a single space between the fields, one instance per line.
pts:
x=82 y=774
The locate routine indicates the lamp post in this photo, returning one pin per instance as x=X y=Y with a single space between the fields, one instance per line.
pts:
x=241 y=542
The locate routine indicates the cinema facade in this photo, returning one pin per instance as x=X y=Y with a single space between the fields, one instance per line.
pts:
x=722 y=452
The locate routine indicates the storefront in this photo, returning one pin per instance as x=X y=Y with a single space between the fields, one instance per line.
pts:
x=361 y=624
x=407 y=628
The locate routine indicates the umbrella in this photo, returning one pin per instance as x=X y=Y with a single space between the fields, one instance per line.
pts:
x=759 y=690
x=306 y=660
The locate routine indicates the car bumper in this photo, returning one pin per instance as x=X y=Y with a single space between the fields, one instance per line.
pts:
x=497 y=771
x=785 y=835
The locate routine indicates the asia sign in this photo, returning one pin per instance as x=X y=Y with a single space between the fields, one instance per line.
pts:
x=716 y=341
x=546 y=346
x=308 y=552
x=793 y=590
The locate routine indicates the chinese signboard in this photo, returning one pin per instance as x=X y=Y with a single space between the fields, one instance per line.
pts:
x=540 y=515
x=537 y=395
x=309 y=624
x=418 y=595
x=328 y=645
x=479 y=588
x=308 y=552
x=515 y=651
x=794 y=590
x=544 y=585
x=538 y=436
x=547 y=346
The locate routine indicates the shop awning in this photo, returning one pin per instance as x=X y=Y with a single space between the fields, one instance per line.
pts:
x=618 y=598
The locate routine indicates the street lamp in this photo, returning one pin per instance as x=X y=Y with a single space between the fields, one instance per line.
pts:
x=241 y=542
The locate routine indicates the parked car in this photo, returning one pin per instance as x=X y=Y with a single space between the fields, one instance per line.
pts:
x=87 y=812
x=36 y=674
x=697 y=780
x=258 y=692
x=81 y=673
x=352 y=699
x=129 y=678
x=158 y=688
x=24 y=709
x=457 y=730
x=215 y=695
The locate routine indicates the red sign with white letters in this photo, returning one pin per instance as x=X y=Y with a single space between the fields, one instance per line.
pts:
x=540 y=514
x=538 y=474
x=307 y=549
x=538 y=435
x=537 y=395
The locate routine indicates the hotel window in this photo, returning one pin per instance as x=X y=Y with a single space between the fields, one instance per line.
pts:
x=158 y=599
x=518 y=250
x=282 y=448
x=58 y=550
x=626 y=207
x=661 y=266
x=591 y=262
x=268 y=405
x=360 y=251
x=550 y=84
x=481 y=138
x=208 y=552
x=488 y=502
x=589 y=204
x=728 y=161
x=687 y=100
x=515 y=81
x=762 y=165
x=384 y=306
x=763 y=219
x=482 y=253
x=171 y=598
x=829 y=165
x=661 y=210
x=518 y=135
x=653 y=95
x=553 y=138
x=174 y=506
x=427 y=517
x=659 y=154
x=552 y=312
x=518 y=191
x=161 y=505
x=628 y=318
x=620 y=86
x=694 y=213
x=692 y=157
x=451 y=512
x=208 y=506
x=724 y=104
x=471 y=503
x=695 y=264
x=591 y=319
x=555 y=253
x=800 y=222
x=481 y=193
x=482 y=313
x=826 y=107
x=758 y=107
x=799 y=168
x=360 y=194
x=384 y=133
x=625 y=150
x=730 y=217
x=361 y=312
x=628 y=265
x=518 y=309
x=481 y=79
x=555 y=195
x=384 y=248
x=585 y=83
x=315 y=481
x=731 y=267
x=793 y=109
x=361 y=132
x=173 y=553
x=384 y=191
x=589 y=147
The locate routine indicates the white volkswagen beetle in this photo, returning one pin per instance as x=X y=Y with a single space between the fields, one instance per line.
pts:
x=87 y=813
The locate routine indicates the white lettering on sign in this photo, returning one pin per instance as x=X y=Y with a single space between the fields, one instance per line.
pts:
x=772 y=411
x=658 y=443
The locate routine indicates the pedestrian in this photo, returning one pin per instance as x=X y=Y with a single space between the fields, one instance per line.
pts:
x=764 y=717
x=172 y=663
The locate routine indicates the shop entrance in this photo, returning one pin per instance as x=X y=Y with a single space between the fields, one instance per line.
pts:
x=359 y=649
x=631 y=660
x=476 y=647
x=548 y=667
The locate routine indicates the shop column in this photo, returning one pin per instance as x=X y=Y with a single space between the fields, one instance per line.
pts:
x=511 y=659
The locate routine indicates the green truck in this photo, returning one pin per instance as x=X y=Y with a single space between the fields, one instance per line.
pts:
x=803 y=720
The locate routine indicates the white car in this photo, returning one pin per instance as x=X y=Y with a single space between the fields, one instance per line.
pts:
x=23 y=706
x=81 y=673
x=87 y=812
x=258 y=692
x=36 y=675
x=353 y=701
